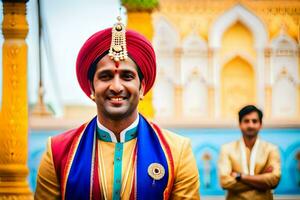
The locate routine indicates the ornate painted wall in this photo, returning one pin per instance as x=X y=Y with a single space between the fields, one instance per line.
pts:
x=216 y=56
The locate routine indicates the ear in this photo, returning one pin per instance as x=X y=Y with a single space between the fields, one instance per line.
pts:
x=142 y=89
x=91 y=87
x=92 y=96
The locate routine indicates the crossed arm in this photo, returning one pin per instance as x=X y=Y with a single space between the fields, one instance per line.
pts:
x=268 y=179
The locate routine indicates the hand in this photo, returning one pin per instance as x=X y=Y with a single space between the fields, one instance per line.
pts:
x=268 y=169
x=233 y=174
x=237 y=176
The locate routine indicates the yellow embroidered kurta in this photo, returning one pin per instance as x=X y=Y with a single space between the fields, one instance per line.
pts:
x=230 y=160
x=186 y=184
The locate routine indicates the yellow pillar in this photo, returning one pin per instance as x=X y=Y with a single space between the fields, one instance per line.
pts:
x=14 y=113
x=142 y=23
x=299 y=79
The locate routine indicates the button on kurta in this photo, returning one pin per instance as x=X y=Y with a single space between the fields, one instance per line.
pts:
x=117 y=171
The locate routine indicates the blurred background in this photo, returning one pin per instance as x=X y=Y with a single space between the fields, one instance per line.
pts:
x=213 y=57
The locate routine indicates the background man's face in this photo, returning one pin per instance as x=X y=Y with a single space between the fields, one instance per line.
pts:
x=250 y=124
x=117 y=89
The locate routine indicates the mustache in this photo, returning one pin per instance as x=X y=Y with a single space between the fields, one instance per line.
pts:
x=251 y=130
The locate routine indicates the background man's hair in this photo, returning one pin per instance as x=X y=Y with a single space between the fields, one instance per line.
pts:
x=249 y=109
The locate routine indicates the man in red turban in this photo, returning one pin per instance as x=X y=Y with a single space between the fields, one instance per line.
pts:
x=118 y=154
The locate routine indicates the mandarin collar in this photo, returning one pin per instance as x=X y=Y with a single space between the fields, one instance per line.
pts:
x=126 y=135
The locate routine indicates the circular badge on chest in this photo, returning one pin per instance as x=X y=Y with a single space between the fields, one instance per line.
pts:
x=156 y=171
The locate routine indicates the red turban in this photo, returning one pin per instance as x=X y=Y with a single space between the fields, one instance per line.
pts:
x=138 y=47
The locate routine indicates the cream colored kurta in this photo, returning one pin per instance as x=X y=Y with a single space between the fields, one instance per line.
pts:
x=186 y=184
x=231 y=160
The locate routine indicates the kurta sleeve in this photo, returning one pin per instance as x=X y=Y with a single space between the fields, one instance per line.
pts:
x=272 y=178
x=225 y=168
x=47 y=184
x=186 y=183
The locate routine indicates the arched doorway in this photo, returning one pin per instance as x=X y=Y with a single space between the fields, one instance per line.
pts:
x=237 y=86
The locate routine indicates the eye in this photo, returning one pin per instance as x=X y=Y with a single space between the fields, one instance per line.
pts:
x=254 y=121
x=128 y=76
x=246 y=120
x=104 y=76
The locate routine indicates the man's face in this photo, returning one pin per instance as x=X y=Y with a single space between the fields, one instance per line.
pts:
x=117 y=89
x=250 y=124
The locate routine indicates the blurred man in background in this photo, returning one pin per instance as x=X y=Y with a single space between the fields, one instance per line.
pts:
x=249 y=168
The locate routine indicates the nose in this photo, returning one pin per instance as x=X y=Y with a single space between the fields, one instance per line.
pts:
x=116 y=85
x=251 y=124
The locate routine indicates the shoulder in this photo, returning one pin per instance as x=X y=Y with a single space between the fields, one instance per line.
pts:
x=179 y=145
x=230 y=146
x=175 y=141
x=60 y=146
x=61 y=143
x=268 y=146
x=66 y=138
x=174 y=138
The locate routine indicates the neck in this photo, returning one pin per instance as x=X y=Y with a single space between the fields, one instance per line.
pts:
x=249 y=141
x=117 y=126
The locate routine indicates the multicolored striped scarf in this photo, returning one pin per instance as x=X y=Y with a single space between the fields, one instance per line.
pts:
x=80 y=179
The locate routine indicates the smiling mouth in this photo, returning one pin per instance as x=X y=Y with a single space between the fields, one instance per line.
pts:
x=116 y=98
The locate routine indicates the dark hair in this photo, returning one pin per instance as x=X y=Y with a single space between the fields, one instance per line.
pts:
x=92 y=70
x=249 y=109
